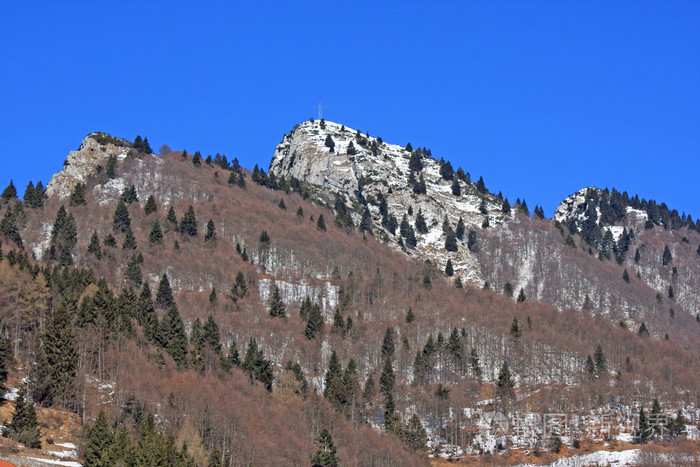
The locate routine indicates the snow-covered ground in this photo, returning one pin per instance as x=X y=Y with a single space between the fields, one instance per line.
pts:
x=618 y=458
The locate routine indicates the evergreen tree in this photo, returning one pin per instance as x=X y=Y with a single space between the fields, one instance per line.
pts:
x=366 y=221
x=667 y=257
x=676 y=427
x=643 y=331
x=211 y=336
x=338 y=322
x=210 y=235
x=410 y=316
x=599 y=359
x=314 y=322
x=155 y=236
x=505 y=207
x=276 y=305
x=387 y=379
x=100 y=440
x=415 y=164
x=625 y=276
x=94 y=246
x=446 y=171
x=480 y=186
x=6 y=361
x=590 y=366
x=173 y=335
x=129 y=240
x=213 y=297
x=515 y=330
x=133 y=270
x=471 y=240
x=333 y=373
x=110 y=241
x=449 y=271
x=57 y=360
x=454 y=345
x=388 y=346
x=77 y=197
x=240 y=287
x=420 y=188
x=111 y=168
x=421 y=226
x=320 y=223
x=188 y=224
x=63 y=238
x=643 y=431
x=451 y=242
x=164 y=296
x=10 y=192
x=232 y=358
x=24 y=426
x=330 y=144
x=150 y=206
x=257 y=367
x=171 y=219
x=508 y=289
x=325 y=455
x=505 y=384
x=414 y=435
x=456 y=190
x=129 y=195
x=521 y=296
x=459 y=232
x=474 y=364
x=121 y=219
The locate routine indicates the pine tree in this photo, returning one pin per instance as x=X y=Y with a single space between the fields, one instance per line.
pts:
x=6 y=361
x=414 y=435
x=456 y=190
x=471 y=240
x=449 y=271
x=521 y=296
x=155 y=236
x=474 y=364
x=173 y=335
x=626 y=276
x=24 y=426
x=210 y=235
x=643 y=431
x=100 y=440
x=333 y=373
x=643 y=331
x=667 y=257
x=133 y=270
x=515 y=330
x=10 y=192
x=388 y=346
x=314 y=322
x=480 y=186
x=77 y=197
x=505 y=207
x=421 y=225
x=121 y=219
x=325 y=455
x=387 y=379
x=57 y=359
x=330 y=144
x=410 y=316
x=171 y=219
x=454 y=345
x=257 y=367
x=320 y=223
x=599 y=360
x=129 y=240
x=150 y=206
x=459 y=231
x=188 y=224
x=211 y=336
x=415 y=164
x=451 y=242
x=129 y=195
x=338 y=322
x=94 y=246
x=276 y=305
x=590 y=366
x=164 y=296
x=505 y=384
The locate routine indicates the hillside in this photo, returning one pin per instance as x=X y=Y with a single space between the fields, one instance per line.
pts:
x=73 y=263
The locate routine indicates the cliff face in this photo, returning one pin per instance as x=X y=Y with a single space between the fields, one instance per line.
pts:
x=363 y=168
x=93 y=152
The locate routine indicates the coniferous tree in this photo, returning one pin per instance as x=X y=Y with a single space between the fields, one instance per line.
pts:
x=387 y=379
x=449 y=271
x=320 y=223
x=121 y=219
x=414 y=435
x=171 y=219
x=330 y=144
x=6 y=361
x=480 y=186
x=643 y=331
x=257 y=367
x=57 y=360
x=314 y=322
x=388 y=346
x=150 y=206
x=456 y=190
x=164 y=296
x=24 y=426
x=505 y=207
x=129 y=240
x=515 y=330
x=110 y=241
x=77 y=197
x=471 y=240
x=100 y=440
x=521 y=296
x=325 y=455
x=415 y=164
x=333 y=373
x=133 y=270
x=188 y=224
x=599 y=360
x=667 y=257
x=451 y=242
x=421 y=226
x=505 y=384
x=240 y=287
x=210 y=235
x=625 y=276
x=338 y=321
x=474 y=364
x=10 y=192
x=459 y=231
x=94 y=246
x=155 y=236
x=410 y=316
x=173 y=335
x=276 y=305
x=129 y=195
x=643 y=431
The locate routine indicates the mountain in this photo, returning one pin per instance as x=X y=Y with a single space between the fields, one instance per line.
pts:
x=509 y=250
x=187 y=296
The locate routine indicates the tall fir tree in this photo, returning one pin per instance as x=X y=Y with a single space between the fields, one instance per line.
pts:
x=24 y=426
x=164 y=296
x=173 y=335
x=94 y=246
x=188 y=224
x=97 y=452
x=326 y=454
x=121 y=219
x=155 y=236
x=150 y=206
x=276 y=305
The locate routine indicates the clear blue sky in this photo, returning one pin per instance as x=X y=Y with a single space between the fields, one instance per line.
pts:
x=539 y=98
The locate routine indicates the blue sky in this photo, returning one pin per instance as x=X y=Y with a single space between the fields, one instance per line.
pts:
x=539 y=98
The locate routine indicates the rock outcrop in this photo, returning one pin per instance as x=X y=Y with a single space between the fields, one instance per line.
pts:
x=94 y=151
